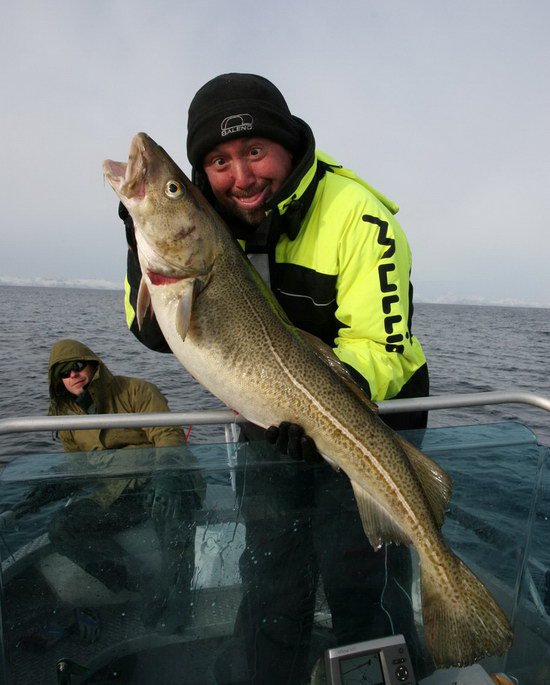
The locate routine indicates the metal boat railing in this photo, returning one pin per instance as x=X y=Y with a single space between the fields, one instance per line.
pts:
x=227 y=416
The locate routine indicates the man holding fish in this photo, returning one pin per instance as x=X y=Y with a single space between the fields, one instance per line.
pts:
x=338 y=264
x=326 y=242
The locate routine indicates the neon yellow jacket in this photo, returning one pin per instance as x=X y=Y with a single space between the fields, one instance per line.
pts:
x=350 y=263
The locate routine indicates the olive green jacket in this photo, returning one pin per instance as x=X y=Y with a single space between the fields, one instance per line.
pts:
x=111 y=395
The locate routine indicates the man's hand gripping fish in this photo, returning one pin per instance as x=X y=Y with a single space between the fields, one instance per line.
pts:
x=228 y=331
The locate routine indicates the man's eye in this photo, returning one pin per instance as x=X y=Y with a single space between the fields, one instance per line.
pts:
x=255 y=151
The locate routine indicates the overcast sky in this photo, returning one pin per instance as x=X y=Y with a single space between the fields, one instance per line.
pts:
x=443 y=106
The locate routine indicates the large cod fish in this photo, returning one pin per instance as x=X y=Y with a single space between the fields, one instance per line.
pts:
x=228 y=331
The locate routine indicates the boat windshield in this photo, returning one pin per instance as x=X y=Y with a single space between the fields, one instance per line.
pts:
x=160 y=592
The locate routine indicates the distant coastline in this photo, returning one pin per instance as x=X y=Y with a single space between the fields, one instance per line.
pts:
x=97 y=284
x=94 y=284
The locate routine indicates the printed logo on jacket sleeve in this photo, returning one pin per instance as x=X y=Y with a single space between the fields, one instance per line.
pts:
x=388 y=290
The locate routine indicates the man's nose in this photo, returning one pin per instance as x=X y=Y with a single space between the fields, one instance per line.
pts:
x=243 y=175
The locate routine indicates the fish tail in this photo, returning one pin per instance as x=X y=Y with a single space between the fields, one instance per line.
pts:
x=462 y=623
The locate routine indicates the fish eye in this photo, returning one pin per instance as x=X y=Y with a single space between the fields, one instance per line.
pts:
x=174 y=190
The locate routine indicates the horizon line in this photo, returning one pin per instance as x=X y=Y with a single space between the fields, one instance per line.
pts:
x=104 y=284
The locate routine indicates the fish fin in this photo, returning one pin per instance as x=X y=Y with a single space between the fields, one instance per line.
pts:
x=436 y=483
x=143 y=302
x=379 y=527
x=462 y=623
x=330 y=461
x=185 y=307
x=327 y=355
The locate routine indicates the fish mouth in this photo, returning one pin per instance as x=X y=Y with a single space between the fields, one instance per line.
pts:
x=128 y=180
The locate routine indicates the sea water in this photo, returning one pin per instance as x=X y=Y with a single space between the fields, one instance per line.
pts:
x=470 y=349
x=35 y=318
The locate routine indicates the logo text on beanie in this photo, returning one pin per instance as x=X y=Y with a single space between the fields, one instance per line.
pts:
x=236 y=123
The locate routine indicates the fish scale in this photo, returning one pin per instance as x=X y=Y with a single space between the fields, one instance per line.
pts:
x=227 y=329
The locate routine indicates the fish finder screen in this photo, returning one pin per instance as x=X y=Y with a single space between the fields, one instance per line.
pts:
x=364 y=669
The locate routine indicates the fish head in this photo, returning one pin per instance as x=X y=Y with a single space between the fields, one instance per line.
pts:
x=174 y=238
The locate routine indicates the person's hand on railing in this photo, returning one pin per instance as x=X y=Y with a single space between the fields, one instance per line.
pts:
x=172 y=498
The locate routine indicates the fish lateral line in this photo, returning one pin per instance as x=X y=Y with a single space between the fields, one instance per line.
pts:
x=380 y=469
x=382 y=472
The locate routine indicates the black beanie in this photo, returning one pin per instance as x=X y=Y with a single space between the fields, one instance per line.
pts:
x=237 y=105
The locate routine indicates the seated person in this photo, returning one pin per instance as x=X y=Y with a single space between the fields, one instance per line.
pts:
x=80 y=383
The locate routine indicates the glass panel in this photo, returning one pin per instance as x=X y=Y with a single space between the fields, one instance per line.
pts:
x=498 y=522
x=146 y=599
x=529 y=657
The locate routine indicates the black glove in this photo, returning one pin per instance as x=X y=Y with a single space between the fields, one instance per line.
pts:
x=289 y=438
x=171 y=498
x=128 y=225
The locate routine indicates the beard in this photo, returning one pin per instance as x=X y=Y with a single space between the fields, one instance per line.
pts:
x=250 y=217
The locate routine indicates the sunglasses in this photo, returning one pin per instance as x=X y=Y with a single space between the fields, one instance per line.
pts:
x=75 y=366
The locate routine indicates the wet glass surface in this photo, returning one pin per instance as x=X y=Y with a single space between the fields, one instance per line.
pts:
x=152 y=626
